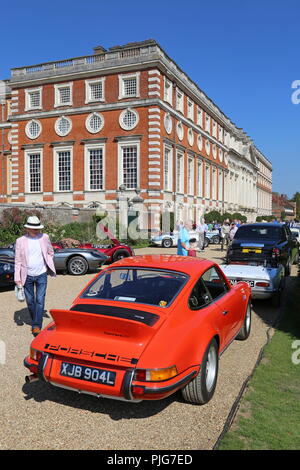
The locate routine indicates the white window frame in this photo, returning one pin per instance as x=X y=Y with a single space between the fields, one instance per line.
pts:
x=190 y=175
x=28 y=126
x=190 y=109
x=168 y=91
x=121 y=146
x=199 y=117
x=207 y=122
x=199 y=177
x=179 y=100
x=180 y=174
x=214 y=128
x=87 y=123
x=56 y=150
x=122 y=79
x=57 y=88
x=58 y=132
x=87 y=175
x=214 y=179
x=88 y=97
x=28 y=92
x=27 y=153
x=121 y=117
x=207 y=181
x=168 y=180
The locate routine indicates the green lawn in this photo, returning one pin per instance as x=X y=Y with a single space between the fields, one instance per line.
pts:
x=269 y=414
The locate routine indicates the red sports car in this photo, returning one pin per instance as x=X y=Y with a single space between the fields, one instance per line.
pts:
x=115 y=250
x=144 y=328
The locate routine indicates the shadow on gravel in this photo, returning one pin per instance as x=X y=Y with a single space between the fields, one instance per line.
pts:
x=117 y=410
x=22 y=317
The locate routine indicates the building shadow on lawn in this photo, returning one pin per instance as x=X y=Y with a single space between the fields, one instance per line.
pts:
x=117 y=410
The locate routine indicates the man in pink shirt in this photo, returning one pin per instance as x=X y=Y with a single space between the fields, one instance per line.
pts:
x=33 y=261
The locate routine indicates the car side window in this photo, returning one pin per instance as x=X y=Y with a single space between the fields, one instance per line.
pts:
x=199 y=296
x=215 y=283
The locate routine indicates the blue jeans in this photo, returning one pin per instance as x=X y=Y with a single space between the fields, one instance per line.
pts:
x=35 y=292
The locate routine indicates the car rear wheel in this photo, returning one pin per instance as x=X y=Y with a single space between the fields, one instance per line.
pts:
x=287 y=269
x=206 y=242
x=246 y=328
x=120 y=254
x=77 y=266
x=166 y=243
x=215 y=240
x=201 y=389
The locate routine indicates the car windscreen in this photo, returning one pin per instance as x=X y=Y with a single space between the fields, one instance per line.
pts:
x=253 y=232
x=146 y=286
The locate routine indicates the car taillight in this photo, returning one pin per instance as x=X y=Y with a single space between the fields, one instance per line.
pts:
x=154 y=375
x=275 y=253
x=35 y=354
x=263 y=284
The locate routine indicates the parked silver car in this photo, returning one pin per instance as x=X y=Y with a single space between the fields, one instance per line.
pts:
x=167 y=240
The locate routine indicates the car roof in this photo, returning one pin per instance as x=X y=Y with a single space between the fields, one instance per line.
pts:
x=185 y=264
x=263 y=224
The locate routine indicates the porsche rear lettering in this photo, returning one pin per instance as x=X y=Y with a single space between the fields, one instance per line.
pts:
x=82 y=352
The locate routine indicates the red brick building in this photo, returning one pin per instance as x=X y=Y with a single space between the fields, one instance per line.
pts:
x=281 y=206
x=91 y=130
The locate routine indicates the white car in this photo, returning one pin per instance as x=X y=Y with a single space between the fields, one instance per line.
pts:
x=168 y=240
x=296 y=231
x=265 y=282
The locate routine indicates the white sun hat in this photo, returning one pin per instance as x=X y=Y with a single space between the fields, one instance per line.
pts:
x=34 y=222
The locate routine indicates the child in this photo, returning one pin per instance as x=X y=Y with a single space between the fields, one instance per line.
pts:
x=193 y=247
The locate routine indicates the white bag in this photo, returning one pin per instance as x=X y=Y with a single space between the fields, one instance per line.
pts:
x=20 y=294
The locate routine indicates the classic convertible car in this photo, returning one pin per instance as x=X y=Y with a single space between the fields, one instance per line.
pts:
x=142 y=329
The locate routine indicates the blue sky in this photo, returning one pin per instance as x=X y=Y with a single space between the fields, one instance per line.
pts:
x=244 y=56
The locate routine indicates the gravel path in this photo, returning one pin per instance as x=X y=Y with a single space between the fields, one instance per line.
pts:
x=38 y=416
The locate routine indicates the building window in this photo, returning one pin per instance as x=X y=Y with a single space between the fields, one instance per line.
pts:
x=214 y=151
x=129 y=165
x=34 y=172
x=214 y=184
x=200 y=142
x=214 y=129
x=199 y=177
x=207 y=182
x=63 y=94
x=63 y=170
x=191 y=137
x=180 y=130
x=220 y=134
x=168 y=155
x=207 y=123
x=63 y=126
x=94 y=123
x=168 y=123
x=128 y=119
x=129 y=86
x=33 y=99
x=94 y=90
x=179 y=100
x=190 y=175
x=168 y=91
x=33 y=129
x=221 y=155
x=190 y=109
x=94 y=168
x=220 y=186
x=179 y=173
x=207 y=147
x=199 y=117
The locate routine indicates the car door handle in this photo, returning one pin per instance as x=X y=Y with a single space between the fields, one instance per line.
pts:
x=225 y=312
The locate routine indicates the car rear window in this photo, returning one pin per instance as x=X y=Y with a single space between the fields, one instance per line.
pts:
x=253 y=232
x=146 y=286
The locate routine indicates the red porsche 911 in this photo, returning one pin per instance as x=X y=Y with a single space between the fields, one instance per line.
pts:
x=144 y=328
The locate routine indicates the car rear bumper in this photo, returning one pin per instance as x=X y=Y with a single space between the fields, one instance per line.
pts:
x=126 y=389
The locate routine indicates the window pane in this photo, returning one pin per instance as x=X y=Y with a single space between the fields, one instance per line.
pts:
x=34 y=172
x=64 y=171
x=64 y=95
x=96 y=91
x=129 y=85
x=96 y=168
x=130 y=167
x=34 y=98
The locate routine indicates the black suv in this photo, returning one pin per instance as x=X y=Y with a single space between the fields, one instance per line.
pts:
x=265 y=243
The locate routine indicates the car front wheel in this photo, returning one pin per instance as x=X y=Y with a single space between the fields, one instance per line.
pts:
x=77 y=266
x=167 y=243
x=201 y=389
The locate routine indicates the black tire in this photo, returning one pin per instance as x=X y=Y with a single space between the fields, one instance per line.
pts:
x=206 y=242
x=246 y=328
x=167 y=243
x=201 y=389
x=287 y=268
x=120 y=254
x=77 y=266
x=276 y=297
x=215 y=240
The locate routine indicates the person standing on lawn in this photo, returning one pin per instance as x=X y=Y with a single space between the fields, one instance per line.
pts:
x=183 y=239
x=33 y=261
